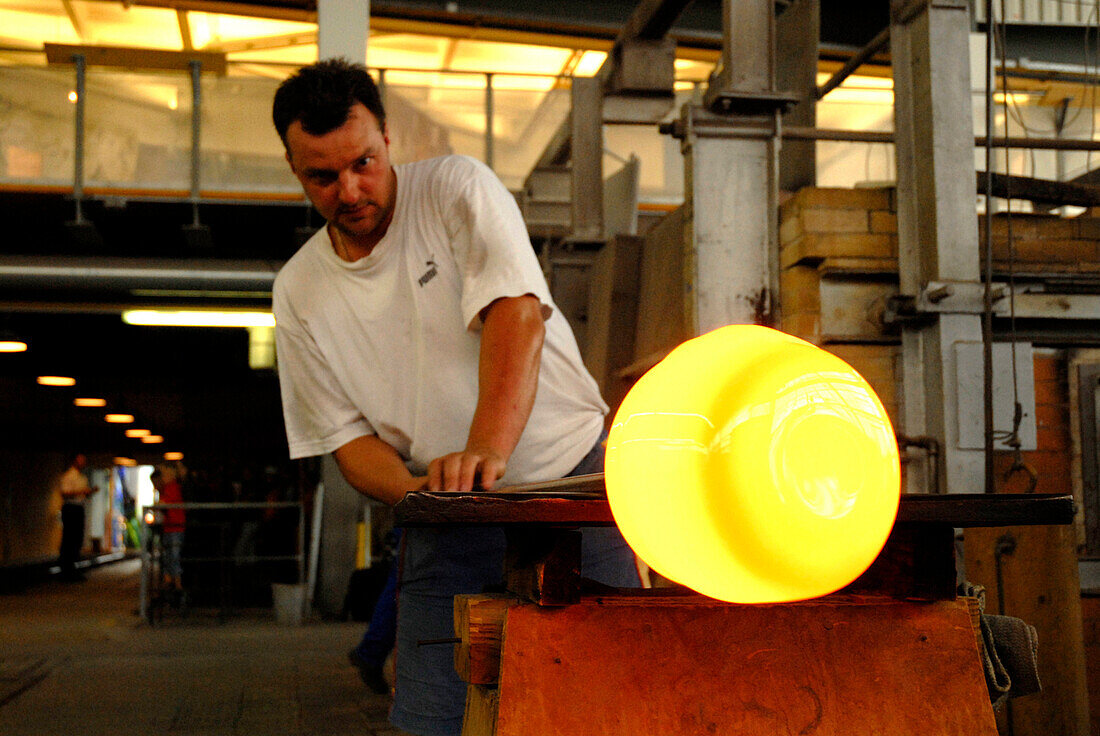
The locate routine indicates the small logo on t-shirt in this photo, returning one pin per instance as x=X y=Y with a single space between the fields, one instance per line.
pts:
x=429 y=274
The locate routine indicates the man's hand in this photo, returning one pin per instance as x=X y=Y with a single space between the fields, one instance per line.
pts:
x=508 y=373
x=459 y=471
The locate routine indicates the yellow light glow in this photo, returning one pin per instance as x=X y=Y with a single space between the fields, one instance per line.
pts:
x=119 y=418
x=138 y=432
x=56 y=381
x=197 y=318
x=1016 y=98
x=12 y=346
x=590 y=63
x=859 y=89
x=754 y=467
x=36 y=22
x=125 y=461
x=172 y=456
x=149 y=516
x=88 y=401
x=152 y=439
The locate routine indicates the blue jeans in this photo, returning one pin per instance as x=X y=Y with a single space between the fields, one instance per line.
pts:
x=173 y=548
x=439 y=563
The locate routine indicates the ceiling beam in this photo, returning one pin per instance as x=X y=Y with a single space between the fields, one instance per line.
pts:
x=75 y=19
x=247 y=9
x=185 y=30
x=265 y=43
x=449 y=54
x=135 y=58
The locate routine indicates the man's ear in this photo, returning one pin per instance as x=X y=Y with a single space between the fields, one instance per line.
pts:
x=386 y=133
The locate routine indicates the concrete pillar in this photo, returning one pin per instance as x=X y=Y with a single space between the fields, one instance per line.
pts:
x=342 y=29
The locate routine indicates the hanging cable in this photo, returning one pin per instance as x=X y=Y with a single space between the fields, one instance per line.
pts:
x=987 y=295
x=1011 y=438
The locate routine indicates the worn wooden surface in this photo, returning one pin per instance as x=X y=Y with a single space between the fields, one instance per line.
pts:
x=544 y=565
x=479 y=624
x=581 y=502
x=481 y=711
x=617 y=666
x=1038 y=571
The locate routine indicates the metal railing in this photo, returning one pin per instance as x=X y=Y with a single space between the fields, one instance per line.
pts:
x=226 y=554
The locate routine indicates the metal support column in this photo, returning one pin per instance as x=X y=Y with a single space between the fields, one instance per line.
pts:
x=586 y=120
x=937 y=227
x=196 y=235
x=730 y=181
x=798 y=29
x=729 y=214
x=78 y=145
x=489 y=115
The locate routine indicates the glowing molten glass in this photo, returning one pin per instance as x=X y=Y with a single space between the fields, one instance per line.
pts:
x=754 y=467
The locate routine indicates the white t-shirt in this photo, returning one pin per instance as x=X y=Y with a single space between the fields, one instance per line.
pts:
x=389 y=344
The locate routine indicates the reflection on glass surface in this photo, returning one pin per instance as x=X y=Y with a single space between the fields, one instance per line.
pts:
x=754 y=467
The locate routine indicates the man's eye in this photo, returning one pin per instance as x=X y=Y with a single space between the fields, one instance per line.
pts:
x=364 y=162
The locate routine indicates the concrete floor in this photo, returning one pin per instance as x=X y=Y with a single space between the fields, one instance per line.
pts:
x=75 y=660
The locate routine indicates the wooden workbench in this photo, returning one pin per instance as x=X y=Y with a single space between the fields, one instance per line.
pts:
x=893 y=653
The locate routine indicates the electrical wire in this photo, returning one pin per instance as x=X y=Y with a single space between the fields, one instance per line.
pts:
x=987 y=299
x=1010 y=438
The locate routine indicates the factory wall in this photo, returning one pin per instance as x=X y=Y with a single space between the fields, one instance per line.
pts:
x=838 y=254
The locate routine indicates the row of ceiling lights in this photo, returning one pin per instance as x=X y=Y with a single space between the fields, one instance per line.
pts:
x=13 y=345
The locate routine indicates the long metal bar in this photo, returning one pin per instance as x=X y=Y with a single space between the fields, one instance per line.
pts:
x=196 y=137
x=987 y=265
x=192 y=505
x=489 y=120
x=135 y=273
x=865 y=53
x=795 y=132
x=78 y=146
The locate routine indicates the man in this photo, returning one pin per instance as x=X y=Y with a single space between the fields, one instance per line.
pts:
x=74 y=489
x=418 y=343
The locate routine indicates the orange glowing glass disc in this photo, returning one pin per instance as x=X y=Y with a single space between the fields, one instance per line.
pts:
x=754 y=467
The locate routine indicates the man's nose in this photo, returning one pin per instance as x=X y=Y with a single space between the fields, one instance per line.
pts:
x=349 y=187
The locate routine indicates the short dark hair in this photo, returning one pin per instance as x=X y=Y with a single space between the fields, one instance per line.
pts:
x=321 y=95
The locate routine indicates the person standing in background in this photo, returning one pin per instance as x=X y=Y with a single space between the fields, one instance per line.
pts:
x=75 y=489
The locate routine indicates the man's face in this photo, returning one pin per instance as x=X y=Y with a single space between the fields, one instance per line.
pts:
x=346 y=174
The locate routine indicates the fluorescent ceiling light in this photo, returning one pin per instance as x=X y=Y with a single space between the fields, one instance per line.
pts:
x=153 y=439
x=173 y=456
x=56 y=381
x=89 y=402
x=119 y=418
x=138 y=433
x=197 y=318
x=126 y=461
x=12 y=346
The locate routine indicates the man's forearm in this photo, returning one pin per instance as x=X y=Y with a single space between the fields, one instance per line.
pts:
x=375 y=469
x=508 y=373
